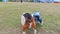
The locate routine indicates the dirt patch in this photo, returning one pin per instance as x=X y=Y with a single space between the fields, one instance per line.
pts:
x=18 y=30
x=44 y=31
x=10 y=31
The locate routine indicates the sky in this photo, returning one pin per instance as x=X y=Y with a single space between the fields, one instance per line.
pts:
x=57 y=0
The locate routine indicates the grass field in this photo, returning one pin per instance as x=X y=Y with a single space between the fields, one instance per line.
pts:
x=10 y=17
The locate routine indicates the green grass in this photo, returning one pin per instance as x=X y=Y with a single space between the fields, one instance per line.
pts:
x=10 y=15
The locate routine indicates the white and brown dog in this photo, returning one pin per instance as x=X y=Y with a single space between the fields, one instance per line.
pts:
x=27 y=21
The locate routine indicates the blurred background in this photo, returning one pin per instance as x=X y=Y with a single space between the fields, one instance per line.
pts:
x=40 y=1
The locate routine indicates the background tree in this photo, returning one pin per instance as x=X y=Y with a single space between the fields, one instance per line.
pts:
x=12 y=0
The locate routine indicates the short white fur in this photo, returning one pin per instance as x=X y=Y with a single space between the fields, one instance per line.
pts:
x=22 y=20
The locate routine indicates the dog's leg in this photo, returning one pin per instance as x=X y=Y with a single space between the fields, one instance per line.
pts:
x=34 y=26
x=23 y=32
x=34 y=31
x=24 y=28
